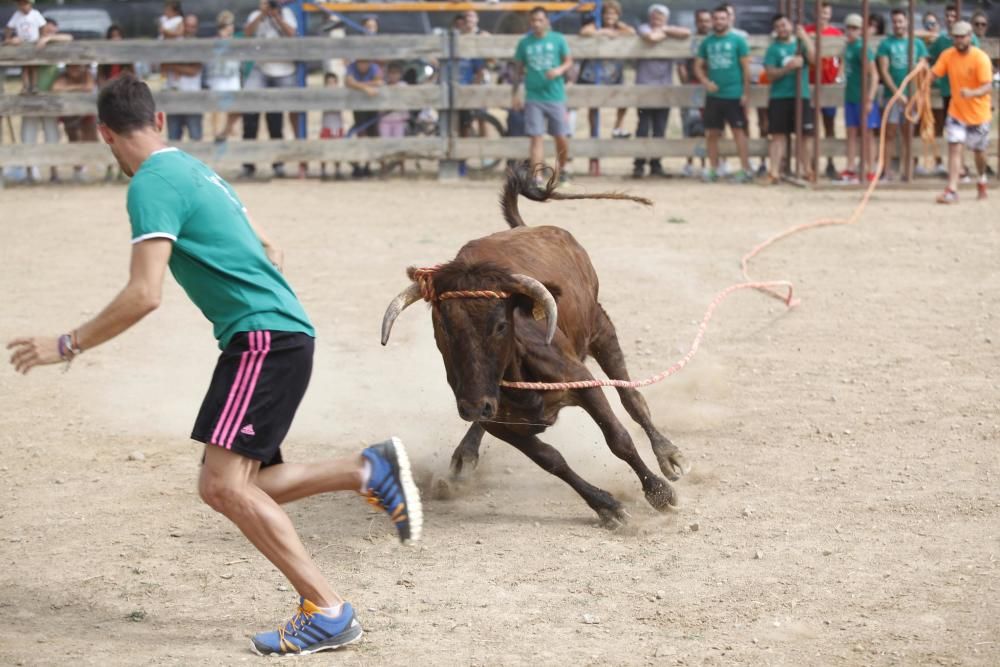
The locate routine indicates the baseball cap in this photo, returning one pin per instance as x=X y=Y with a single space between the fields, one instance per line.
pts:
x=960 y=28
x=658 y=8
x=854 y=21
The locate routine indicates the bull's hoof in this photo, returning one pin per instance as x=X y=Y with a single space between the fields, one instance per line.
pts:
x=462 y=464
x=660 y=494
x=613 y=518
x=673 y=464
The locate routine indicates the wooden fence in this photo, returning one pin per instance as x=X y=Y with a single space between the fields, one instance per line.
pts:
x=445 y=96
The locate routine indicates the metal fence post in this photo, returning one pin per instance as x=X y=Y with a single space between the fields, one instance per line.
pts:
x=448 y=167
x=300 y=67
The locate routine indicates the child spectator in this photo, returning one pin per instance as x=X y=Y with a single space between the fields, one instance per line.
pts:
x=45 y=76
x=170 y=26
x=393 y=123
x=78 y=79
x=332 y=127
x=24 y=27
x=111 y=71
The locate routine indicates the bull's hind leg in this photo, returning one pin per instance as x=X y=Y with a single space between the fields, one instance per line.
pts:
x=466 y=456
x=611 y=511
x=608 y=353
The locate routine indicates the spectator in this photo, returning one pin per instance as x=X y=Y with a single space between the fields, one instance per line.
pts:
x=364 y=76
x=224 y=75
x=170 y=26
x=332 y=126
x=855 y=100
x=937 y=47
x=393 y=124
x=470 y=71
x=893 y=54
x=980 y=24
x=655 y=72
x=185 y=77
x=111 y=71
x=370 y=24
x=786 y=61
x=876 y=25
x=932 y=28
x=723 y=66
x=970 y=74
x=78 y=79
x=829 y=66
x=269 y=21
x=24 y=27
x=692 y=124
x=757 y=75
x=45 y=77
x=543 y=58
x=606 y=72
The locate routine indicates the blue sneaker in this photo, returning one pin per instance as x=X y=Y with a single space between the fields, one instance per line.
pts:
x=391 y=488
x=310 y=631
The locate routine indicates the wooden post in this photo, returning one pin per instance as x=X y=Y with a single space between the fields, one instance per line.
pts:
x=594 y=165
x=817 y=89
x=906 y=168
x=800 y=15
x=449 y=168
x=863 y=131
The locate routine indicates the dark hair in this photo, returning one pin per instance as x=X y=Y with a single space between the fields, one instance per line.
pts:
x=777 y=17
x=330 y=75
x=724 y=8
x=126 y=105
x=896 y=11
x=701 y=11
x=51 y=20
x=538 y=10
x=951 y=8
x=112 y=29
x=978 y=14
x=174 y=5
x=878 y=21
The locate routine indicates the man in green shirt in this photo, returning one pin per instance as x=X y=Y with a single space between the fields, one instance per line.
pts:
x=542 y=59
x=893 y=59
x=184 y=216
x=723 y=67
x=785 y=61
x=856 y=99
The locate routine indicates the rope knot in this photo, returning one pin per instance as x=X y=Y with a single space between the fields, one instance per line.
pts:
x=424 y=277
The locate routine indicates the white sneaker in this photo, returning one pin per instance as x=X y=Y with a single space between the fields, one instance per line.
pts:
x=689 y=171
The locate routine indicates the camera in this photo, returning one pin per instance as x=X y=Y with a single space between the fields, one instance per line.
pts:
x=273 y=4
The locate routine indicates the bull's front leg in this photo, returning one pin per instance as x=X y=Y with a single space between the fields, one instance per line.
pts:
x=466 y=456
x=611 y=512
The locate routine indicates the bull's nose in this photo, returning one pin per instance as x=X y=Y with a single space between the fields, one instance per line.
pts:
x=475 y=410
x=489 y=409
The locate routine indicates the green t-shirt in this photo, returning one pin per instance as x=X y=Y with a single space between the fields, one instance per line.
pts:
x=217 y=257
x=46 y=76
x=894 y=48
x=722 y=60
x=777 y=55
x=852 y=70
x=539 y=55
x=937 y=48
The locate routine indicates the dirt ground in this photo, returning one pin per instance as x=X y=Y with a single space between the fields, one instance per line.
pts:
x=843 y=508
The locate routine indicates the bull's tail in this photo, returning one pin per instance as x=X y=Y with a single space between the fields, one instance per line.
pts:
x=523 y=180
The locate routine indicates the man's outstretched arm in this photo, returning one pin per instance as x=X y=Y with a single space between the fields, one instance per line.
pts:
x=140 y=297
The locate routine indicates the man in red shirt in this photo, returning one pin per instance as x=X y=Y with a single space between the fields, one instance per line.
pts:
x=829 y=67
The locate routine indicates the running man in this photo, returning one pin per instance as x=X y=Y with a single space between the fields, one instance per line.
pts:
x=184 y=216
x=970 y=77
x=723 y=67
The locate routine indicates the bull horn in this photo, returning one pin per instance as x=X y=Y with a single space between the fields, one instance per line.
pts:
x=543 y=300
x=398 y=305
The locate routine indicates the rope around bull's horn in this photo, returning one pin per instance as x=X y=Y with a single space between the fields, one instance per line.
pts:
x=916 y=107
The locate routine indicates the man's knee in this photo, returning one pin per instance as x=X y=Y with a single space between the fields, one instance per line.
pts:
x=220 y=494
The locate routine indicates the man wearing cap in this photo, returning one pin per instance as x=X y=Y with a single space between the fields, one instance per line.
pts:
x=970 y=76
x=655 y=72
x=937 y=47
x=893 y=59
x=855 y=100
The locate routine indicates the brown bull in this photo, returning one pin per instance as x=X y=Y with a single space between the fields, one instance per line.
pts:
x=488 y=306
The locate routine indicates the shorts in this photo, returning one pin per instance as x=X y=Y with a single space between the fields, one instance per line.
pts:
x=542 y=116
x=852 y=115
x=829 y=111
x=781 y=116
x=895 y=114
x=257 y=386
x=719 y=112
x=975 y=137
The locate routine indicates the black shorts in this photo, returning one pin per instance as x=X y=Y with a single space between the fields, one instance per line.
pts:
x=781 y=117
x=257 y=386
x=719 y=112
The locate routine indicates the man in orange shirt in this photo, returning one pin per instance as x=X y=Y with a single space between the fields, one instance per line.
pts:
x=970 y=75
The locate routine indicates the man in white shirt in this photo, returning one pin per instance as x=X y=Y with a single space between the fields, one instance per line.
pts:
x=270 y=21
x=185 y=77
x=24 y=27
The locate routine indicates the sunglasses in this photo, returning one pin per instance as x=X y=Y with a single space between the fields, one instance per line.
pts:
x=930 y=24
x=979 y=24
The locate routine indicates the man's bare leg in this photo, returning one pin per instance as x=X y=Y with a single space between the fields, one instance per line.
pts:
x=777 y=154
x=227 y=485
x=712 y=139
x=537 y=153
x=562 y=152
x=740 y=135
x=288 y=482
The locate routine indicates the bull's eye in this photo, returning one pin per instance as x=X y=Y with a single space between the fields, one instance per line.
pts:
x=501 y=328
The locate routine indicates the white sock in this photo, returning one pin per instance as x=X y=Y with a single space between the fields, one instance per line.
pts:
x=982 y=177
x=332 y=611
x=366 y=475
